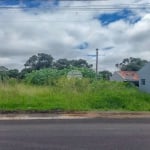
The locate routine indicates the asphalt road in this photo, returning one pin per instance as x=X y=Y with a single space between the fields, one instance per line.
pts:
x=87 y=134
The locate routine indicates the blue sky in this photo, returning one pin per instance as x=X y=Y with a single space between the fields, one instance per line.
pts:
x=105 y=18
x=17 y=2
x=124 y=14
x=9 y=2
x=28 y=3
x=83 y=45
x=73 y=34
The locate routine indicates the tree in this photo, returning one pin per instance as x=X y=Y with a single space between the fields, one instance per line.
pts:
x=31 y=62
x=62 y=64
x=14 y=73
x=45 y=76
x=105 y=75
x=81 y=63
x=131 y=64
x=40 y=61
x=23 y=72
x=87 y=72
x=44 y=61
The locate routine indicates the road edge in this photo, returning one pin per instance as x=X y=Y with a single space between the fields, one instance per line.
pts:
x=72 y=115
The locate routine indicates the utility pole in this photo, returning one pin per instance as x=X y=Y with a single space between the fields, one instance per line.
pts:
x=96 y=63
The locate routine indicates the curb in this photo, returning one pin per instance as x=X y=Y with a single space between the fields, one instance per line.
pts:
x=72 y=115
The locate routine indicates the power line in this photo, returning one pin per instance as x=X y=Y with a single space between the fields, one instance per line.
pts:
x=23 y=1
x=78 y=8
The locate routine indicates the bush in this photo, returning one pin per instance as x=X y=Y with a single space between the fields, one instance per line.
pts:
x=51 y=76
x=44 y=76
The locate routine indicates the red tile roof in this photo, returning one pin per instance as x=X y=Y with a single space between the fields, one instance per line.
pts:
x=129 y=75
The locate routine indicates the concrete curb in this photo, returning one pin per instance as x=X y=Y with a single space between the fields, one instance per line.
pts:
x=73 y=115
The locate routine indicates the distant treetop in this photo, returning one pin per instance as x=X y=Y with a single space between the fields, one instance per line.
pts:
x=131 y=64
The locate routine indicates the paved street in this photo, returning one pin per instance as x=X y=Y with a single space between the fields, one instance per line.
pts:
x=87 y=134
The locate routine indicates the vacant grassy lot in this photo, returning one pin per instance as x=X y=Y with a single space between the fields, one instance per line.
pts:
x=73 y=95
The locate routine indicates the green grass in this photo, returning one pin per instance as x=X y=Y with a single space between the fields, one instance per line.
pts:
x=69 y=95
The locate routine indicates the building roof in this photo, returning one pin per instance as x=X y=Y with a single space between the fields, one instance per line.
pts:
x=129 y=75
x=3 y=69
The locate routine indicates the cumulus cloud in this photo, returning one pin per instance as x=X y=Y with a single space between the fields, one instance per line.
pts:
x=61 y=32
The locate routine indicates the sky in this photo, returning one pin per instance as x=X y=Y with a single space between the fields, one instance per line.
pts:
x=73 y=30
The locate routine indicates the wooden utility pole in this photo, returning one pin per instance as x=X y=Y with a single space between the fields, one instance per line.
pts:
x=96 y=63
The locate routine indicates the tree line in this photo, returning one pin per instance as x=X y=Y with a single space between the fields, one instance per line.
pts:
x=59 y=67
x=131 y=64
x=43 y=61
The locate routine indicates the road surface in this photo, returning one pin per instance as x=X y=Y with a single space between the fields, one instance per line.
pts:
x=79 y=134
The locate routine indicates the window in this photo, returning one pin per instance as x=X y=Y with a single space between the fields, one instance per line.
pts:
x=143 y=82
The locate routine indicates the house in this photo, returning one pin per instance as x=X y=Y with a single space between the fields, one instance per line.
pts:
x=144 y=78
x=3 y=73
x=74 y=74
x=125 y=76
x=3 y=69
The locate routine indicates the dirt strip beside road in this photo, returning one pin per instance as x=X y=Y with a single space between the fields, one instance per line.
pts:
x=72 y=115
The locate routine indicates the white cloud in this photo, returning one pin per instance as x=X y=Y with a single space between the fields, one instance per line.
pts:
x=23 y=34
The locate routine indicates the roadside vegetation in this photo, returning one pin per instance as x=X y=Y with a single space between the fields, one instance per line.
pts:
x=43 y=86
x=74 y=94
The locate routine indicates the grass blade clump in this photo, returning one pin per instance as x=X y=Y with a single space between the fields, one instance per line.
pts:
x=73 y=94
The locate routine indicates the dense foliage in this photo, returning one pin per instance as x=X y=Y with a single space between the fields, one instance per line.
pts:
x=74 y=94
x=42 y=60
x=105 y=75
x=44 y=76
x=39 y=61
x=41 y=69
x=64 y=63
x=131 y=64
x=50 y=76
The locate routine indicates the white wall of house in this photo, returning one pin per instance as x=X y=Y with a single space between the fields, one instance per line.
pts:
x=116 y=77
x=144 y=81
